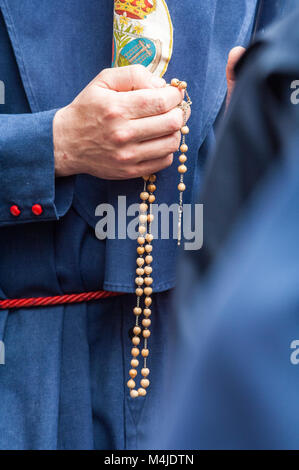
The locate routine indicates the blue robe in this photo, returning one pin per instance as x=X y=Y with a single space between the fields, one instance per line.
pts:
x=236 y=381
x=63 y=384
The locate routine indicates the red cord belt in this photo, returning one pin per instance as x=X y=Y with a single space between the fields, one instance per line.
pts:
x=57 y=299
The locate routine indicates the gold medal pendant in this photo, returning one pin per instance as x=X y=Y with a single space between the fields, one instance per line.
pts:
x=142 y=34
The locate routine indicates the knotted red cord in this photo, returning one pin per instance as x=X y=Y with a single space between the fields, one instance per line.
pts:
x=57 y=299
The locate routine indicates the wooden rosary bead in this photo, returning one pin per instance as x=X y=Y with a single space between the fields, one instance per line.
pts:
x=151 y=188
x=139 y=291
x=137 y=311
x=145 y=352
x=147 y=312
x=140 y=250
x=150 y=218
x=149 y=237
x=134 y=393
x=143 y=218
x=134 y=363
x=144 y=195
x=143 y=207
x=145 y=371
x=139 y=281
x=141 y=240
x=146 y=322
x=148 y=281
x=148 y=248
x=182 y=158
x=133 y=373
x=136 y=331
x=131 y=383
x=135 y=352
x=142 y=229
x=182 y=169
x=185 y=130
x=151 y=198
x=144 y=383
x=175 y=82
x=140 y=262
x=152 y=178
x=148 y=270
x=148 y=291
x=146 y=333
x=147 y=301
x=136 y=341
x=184 y=148
x=140 y=271
x=183 y=85
x=148 y=259
x=181 y=187
x=141 y=392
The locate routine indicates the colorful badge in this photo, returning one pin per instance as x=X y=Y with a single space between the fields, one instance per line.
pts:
x=143 y=34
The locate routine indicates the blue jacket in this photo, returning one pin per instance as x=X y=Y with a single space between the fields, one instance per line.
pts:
x=52 y=52
x=63 y=384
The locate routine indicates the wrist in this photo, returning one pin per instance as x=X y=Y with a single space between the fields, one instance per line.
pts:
x=64 y=159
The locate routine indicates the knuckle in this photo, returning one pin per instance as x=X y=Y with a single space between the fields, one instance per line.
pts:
x=136 y=71
x=175 y=141
x=144 y=103
x=178 y=139
x=132 y=153
x=176 y=122
x=120 y=136
x=103 y=74
x=138 y=68
x=161 y=104
x=120 y=156
x=167 y=161
x=112 y=112
x=124 y=155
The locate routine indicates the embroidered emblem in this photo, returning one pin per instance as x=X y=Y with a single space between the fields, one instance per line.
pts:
x=143 y=34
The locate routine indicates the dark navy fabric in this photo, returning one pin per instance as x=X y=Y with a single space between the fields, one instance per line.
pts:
x=235 y=328
x=241 y=388
x=236 y=174
x=267 y=12
x=63 y=385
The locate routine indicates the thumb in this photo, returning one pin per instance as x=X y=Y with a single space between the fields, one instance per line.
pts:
x=233 y=58
x=129 y=78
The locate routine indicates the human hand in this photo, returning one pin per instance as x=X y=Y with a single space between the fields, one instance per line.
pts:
x=123 y=125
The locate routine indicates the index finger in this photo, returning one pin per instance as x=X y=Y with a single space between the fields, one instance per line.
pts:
x=129 y=78
x=145 y=103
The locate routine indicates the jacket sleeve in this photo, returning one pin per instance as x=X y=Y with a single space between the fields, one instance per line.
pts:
x=27 y=173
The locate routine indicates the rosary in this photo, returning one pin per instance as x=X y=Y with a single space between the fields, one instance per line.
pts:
x=144 y=260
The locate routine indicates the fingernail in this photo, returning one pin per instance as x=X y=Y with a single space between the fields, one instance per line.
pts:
x=158 y=82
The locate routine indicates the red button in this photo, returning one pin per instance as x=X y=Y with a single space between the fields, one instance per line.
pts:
x=37 y=209
x=15 y=211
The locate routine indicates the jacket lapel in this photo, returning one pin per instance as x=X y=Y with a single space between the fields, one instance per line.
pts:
x=57 y=54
